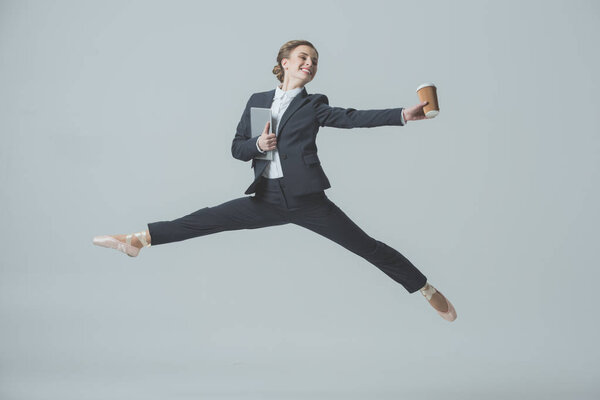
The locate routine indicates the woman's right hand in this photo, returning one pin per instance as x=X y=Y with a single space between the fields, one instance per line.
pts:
x=267 y=141
x=415 y=113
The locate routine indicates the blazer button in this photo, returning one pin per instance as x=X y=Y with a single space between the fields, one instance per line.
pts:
x=284 y=156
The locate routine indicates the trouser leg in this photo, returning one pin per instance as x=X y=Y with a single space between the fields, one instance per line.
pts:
x=328 y=220
x=241 y=213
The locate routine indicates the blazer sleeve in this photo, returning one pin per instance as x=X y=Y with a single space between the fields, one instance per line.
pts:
x=351 y=118
x=244 y=145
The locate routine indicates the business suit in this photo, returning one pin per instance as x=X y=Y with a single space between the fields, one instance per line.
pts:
x=298 y=196
x=297 y=135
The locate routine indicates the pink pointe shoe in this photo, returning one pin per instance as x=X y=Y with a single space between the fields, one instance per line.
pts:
x=428 y=292
x=126 y=247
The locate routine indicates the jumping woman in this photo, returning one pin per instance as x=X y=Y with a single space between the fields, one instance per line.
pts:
x=290 y=188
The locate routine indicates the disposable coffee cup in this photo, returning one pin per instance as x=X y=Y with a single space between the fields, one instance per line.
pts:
x=428 y=92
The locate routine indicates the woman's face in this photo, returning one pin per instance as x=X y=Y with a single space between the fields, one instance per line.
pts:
x=301 y=66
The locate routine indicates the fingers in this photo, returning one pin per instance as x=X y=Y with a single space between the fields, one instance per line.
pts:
x=271 y=144
x=267 y=145
x=268 y=141
x=267 y=126
x=419 y=106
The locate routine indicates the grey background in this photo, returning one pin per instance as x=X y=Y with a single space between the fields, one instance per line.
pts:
x=116 y=114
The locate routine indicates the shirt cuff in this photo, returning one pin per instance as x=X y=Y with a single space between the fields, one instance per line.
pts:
x=258 y=148
x=402 y=117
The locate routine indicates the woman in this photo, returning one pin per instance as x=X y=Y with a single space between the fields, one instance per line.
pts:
x=290 y=188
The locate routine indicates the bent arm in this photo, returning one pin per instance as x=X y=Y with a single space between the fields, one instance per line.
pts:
x=244 y=146
x=351 y=118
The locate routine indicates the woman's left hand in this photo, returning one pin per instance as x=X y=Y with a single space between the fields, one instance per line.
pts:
x=415 y=113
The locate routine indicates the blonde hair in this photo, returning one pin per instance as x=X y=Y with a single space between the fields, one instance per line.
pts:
x=285 y=51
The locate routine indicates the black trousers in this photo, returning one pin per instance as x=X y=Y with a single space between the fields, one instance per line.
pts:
x=271 y=206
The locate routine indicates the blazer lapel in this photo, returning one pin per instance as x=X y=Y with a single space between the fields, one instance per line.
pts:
x=299 y=100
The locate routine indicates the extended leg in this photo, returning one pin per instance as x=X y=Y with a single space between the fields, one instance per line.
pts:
x=330 y=221
x=241 y=213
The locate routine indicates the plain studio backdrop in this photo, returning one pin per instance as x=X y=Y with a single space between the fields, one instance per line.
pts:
x=116 y=114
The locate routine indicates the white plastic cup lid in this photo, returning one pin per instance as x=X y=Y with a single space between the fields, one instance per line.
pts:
x=425 y=85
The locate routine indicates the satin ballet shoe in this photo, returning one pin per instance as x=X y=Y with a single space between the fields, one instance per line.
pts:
x=125 y=247
x=428 y=291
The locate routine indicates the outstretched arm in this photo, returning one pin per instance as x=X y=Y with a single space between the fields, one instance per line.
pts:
x=351 y=118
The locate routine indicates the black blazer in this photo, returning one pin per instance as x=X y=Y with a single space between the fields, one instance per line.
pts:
x=302 y=171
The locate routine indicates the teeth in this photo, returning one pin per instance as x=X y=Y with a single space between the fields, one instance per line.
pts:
x=305 y=70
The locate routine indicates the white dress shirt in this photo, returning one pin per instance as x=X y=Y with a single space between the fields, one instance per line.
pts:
x=281 y=101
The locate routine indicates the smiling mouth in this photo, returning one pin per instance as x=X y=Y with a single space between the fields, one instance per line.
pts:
x=306 y=71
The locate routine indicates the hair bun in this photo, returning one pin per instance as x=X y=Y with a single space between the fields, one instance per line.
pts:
x=278 y=72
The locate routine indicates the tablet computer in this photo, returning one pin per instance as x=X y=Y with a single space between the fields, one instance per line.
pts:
x=258 y=119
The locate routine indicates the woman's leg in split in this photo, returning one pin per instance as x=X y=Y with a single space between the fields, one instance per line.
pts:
x=241 y=213
x=331 y=222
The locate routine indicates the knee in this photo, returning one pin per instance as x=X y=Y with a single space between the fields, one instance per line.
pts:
x=382 y=252
x=375 y=246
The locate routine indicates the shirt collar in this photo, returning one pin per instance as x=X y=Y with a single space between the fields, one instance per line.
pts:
x=280 y=94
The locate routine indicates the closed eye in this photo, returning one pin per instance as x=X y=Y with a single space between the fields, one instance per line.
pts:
x=314 y=61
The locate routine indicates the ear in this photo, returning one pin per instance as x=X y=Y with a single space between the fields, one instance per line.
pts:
x=284 y=62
